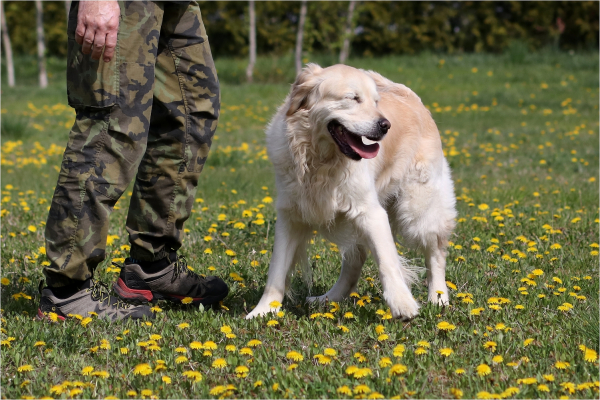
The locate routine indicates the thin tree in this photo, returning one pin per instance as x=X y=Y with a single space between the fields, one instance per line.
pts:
x=252 y=49
x=68 y=8
x=41 y=47
x=345 y=52
x=10 y=67
x=300 y=36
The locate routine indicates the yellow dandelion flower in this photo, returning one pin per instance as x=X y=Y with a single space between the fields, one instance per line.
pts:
x=166 y=379
x=330 y=352
x=399 y=351
x=420 y=351
x=445 y=326
x=295 y=356
x=446 y=351
x=362 y=389
x=242 y=371
x=142 y=369
x=181 y=359
x=562 y=365
x=456 y=393
x=483 y=370
x=210 y=345
x=219 y=363
x=181 y=350
x=543 y=388
x=195 y=376
x=87 y=370
x=292 y=367
x=25 y=368
x=490 y=345
x=272 y=322
x=398 y=369
x=196 y=345
x=527 y=381
x=459 y=371
x=254 y=343
x=497 y=359
x=345 y=390
x=246 y=351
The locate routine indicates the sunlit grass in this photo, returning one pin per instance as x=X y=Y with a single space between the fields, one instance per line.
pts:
x=522 y=141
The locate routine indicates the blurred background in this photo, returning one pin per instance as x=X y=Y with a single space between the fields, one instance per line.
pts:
x=274 y=37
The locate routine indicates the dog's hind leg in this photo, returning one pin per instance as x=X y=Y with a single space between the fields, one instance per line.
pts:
x=288 y=237
x=352 y=263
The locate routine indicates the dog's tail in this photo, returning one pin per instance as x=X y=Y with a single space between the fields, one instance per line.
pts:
x=410 y=271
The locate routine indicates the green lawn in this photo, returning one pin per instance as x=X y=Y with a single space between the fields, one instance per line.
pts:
x=521 y=136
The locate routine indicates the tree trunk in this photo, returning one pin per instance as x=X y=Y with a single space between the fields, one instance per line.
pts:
x=10 y=66
x=252 y=50
x=345 y=52
x=299 y=37
x=68 y=8
x=41 y=48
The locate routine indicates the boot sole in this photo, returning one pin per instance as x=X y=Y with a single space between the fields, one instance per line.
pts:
x=147 y=296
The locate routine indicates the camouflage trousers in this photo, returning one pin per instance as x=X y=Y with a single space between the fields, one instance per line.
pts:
x=150 y=112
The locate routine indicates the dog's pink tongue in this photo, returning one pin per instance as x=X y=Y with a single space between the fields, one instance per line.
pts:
x=363 y=150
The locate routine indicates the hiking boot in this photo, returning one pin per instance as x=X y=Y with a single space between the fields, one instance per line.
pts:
x=172 y=281
x=91 y=296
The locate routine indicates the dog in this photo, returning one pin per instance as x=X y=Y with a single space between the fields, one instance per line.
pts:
x=359 y=158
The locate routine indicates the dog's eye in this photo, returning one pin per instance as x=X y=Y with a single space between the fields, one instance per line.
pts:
x=356 y=99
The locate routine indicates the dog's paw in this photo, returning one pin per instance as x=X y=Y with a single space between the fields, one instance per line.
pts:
x=403 y=307
x=439 y=299
x=317 y=299
x=439 y=295
x=259 y=311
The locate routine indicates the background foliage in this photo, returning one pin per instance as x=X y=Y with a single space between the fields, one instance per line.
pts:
x=380 y=28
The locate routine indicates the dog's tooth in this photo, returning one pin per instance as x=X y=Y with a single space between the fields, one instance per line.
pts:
x=367 y=141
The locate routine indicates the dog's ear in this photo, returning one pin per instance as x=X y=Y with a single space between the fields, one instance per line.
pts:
x=306 y=82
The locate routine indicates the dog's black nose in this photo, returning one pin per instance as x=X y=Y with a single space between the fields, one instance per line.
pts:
x=384 y=125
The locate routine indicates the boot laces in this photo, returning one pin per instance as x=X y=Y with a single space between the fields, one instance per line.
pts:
x=181 y=269
x=100 y=292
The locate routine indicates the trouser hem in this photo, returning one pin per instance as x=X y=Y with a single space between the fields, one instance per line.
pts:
x=142 y=254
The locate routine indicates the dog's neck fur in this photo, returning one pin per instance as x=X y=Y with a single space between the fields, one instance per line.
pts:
x=320 y=169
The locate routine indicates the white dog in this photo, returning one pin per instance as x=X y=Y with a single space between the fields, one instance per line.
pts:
x=359 y=158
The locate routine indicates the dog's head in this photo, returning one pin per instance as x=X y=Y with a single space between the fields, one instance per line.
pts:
x=341 y=104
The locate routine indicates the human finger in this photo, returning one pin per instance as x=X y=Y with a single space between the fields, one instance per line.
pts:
x=88 y=41
x=109 y=46
x=98 y=44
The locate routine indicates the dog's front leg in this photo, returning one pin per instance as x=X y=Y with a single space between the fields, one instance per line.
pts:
x=435 y=260
x=288 y=237
x=393 y=272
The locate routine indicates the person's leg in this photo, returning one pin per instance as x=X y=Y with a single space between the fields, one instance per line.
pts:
x=184 y=119
x=113 y=101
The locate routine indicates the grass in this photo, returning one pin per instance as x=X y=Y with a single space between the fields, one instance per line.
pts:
x=521 y=134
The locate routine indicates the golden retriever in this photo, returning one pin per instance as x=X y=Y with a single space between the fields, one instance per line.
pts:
x=359 y=158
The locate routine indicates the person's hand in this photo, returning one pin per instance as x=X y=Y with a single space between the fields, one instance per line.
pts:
x=97 y=28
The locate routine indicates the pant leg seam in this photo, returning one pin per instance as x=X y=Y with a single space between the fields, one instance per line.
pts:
x=185 y=144
x=82 y=190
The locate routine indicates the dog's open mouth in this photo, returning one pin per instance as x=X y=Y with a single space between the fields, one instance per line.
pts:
x=353 y=145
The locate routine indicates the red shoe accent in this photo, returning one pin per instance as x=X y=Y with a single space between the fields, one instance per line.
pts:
x=41 y=315
x=125 y=292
